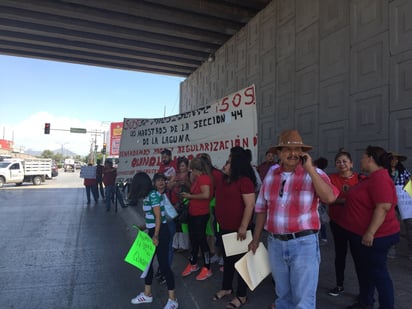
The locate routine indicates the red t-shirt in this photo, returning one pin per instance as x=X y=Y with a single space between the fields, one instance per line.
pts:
x=109 y=176
x=89 y=181
x=361 y=201
x=200 y=207
x=343 y=184
x=168 y=169
x=229 y=202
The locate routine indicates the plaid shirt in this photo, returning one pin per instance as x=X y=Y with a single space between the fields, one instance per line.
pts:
x=290 y=200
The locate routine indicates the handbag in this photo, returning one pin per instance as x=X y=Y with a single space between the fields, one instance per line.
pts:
x=183 y=212
x=170 y=210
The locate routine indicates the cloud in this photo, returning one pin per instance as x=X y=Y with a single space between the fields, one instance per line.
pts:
x=29 y=133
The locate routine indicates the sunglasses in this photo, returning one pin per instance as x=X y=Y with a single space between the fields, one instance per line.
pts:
x=281 y=188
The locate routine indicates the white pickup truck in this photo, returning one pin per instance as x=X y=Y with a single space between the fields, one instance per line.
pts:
x=24 y=170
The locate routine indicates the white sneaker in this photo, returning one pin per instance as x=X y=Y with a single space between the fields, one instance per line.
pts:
x=171 y=304
x=142 y=299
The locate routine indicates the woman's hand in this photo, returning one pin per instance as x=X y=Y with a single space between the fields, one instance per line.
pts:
x=185 y=195
x=241 y=233
x=367 y=239
x=155 y=240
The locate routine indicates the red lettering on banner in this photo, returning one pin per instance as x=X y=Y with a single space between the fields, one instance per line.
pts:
x=247 y=98
x=237 y=99
x=250 y=93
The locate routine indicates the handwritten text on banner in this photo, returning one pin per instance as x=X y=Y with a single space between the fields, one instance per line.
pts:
x=213 y=129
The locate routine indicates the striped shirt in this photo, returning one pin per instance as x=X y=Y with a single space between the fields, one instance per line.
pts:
x=290 y=200
x=154 y=199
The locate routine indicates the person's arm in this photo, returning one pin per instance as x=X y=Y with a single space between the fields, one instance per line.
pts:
x=249 y=201
x=257 y=233
x=203 y=195
x=171 y=183
x=322 y=188
x=378 y=217
x=158 y=220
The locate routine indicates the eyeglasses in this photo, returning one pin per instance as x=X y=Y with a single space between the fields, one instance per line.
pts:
x=281 y=188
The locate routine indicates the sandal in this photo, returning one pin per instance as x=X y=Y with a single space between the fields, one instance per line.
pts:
x=236 y=303
x=221 y=294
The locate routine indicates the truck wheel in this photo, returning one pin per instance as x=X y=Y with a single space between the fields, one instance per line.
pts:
x=2 y=181
x=18 y=184
x=37 y=180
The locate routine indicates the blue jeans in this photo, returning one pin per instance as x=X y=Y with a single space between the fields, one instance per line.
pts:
x=295 y=268
x=93 y=190
x=372 y=269
x=109 y=194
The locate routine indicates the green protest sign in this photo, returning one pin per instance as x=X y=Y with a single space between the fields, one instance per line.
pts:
x=141 y=252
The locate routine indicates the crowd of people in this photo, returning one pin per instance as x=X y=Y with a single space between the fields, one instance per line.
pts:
x=103 y=183
x=283 y=198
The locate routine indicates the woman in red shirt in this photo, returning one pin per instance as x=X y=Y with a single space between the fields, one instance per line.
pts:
x=235 y=202
x=344 y=179
x=201 y=192
x=372 y=227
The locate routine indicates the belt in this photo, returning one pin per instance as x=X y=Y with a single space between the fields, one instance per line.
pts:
x=286 y=237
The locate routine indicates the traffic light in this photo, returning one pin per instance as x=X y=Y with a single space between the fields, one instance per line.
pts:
x=104 y=148
x=47 y=128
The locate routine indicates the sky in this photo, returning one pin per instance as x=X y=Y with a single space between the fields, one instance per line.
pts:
x=33 y=92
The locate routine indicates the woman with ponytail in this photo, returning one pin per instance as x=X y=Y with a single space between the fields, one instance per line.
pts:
x=372 y=228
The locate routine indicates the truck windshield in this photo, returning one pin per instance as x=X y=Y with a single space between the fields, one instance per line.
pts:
x=4 y=164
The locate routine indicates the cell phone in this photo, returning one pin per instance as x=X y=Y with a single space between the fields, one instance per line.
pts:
x=303 y=159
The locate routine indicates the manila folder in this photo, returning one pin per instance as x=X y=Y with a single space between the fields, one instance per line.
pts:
x=234 y=246
x=254 y=267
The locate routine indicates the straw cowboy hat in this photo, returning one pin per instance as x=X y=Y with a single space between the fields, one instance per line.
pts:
x=399 y=156
x=290 y=138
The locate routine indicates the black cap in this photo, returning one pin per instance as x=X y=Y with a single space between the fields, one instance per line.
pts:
x=159 y=176
x=166 y=152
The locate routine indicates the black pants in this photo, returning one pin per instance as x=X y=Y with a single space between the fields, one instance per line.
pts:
x=162 y=253
x=197 y=235
x=101 y=188
x=341 y=243
x=229 y=272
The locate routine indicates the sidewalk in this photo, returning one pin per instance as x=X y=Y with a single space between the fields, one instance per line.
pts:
x=198 y=294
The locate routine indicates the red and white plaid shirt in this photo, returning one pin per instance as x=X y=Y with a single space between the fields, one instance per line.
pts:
x=290 y=200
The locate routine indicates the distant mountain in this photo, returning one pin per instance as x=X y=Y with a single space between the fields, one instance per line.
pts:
x=66 y=152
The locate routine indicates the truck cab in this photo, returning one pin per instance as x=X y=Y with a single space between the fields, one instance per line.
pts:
x=30 y=170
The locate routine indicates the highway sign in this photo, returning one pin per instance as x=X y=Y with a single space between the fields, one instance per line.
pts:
x=78 y=130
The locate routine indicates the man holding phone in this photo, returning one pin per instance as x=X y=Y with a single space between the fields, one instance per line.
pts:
x=287 y=208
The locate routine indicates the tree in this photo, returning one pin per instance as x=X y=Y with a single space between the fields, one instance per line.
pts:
x=48 y=154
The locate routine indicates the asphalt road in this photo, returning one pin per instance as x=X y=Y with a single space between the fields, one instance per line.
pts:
x=58 y=252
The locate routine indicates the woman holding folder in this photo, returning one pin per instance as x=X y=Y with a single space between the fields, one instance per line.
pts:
x=235 y=201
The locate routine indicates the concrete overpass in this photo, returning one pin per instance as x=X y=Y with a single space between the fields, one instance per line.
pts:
x=172 y=37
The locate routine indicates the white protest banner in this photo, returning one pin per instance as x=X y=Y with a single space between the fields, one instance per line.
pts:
x=88 y=171
x=404 y=203
x=213 y=129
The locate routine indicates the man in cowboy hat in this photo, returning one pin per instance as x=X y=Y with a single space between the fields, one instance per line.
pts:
x=287 y=207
